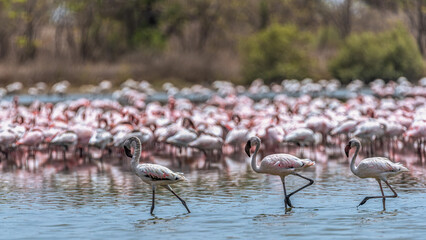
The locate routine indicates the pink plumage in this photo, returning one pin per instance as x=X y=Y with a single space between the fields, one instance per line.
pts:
x=280 y=165
x=153 y=174
x=379 y=168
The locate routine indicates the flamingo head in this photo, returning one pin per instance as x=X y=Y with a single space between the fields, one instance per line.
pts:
x=128 y=152
x=247 y=148
x=352 y=143
x=347 y=148
x=253 y=141
x=127 y=147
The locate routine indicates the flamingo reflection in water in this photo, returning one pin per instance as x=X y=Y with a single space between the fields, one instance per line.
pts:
x=153 y=174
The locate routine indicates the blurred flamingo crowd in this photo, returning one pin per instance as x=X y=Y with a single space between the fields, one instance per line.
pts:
x=312 y=119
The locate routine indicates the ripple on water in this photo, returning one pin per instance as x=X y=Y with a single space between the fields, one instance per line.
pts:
x=233 y=204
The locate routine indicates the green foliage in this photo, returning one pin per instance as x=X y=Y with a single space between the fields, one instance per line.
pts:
x=277 y=52
x=149 y=37
x=387 y=55
x=327 y=37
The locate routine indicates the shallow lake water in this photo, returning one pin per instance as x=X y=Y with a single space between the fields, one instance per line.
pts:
x=228 y=201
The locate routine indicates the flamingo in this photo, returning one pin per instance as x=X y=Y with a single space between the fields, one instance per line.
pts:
x=31 y=139
x=302 y=137
x=66 y=140
x=345 y=127
x=7 y=139
x=101 y=139
x=379 y=168
x=206 y=142
x=370 y=130
x=280 y=165
x=183 y=136
x=153 y=174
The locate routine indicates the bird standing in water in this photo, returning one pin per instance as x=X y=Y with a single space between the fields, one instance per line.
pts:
x=280 y=165
x=153 y=174
x=379 y=168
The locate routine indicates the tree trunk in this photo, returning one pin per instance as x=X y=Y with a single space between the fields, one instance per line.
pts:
x=4 y=45
x=347 y=19
x=420 y=26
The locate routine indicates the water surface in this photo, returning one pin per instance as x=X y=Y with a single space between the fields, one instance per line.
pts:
x=228 y=201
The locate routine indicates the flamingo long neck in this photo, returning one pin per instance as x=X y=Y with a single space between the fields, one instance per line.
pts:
x=253 y=159
x=354 y=168
x=136 y=154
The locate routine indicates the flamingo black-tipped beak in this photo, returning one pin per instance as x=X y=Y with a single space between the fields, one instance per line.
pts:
x=347 y=148
x=128 y=152
x=247 y=148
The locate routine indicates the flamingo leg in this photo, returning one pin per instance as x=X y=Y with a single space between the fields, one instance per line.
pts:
x=309 y=184
x=302 y=150
x=383 y=197
x=182 y=201
x=64 y=153
x=286 y=198
x=153 y=199
x=205 y=153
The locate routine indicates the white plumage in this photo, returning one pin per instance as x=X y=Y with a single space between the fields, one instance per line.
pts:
x=237 y=136
x=283 y=164
x=379 y=168
x=207 y=142
x=370 y=129
x=301 y=136
x=280 y=165
x=182 y=138
x=153 y=174
x=345 y=128
x=101 y=139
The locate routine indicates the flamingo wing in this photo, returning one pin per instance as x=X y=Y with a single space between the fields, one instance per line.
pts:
x=377 y=165
x=277 y=163
x=156 y=172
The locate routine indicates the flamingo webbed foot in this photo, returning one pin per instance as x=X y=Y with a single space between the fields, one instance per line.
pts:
x=287 y=200
x=184 y=204
x=363 y=201
x=288 y=209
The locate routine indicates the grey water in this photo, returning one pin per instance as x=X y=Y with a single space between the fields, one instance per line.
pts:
x=26 y=99
x=228 y=201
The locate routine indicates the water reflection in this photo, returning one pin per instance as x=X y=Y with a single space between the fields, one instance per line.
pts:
x=141 y=224
x=228 y=200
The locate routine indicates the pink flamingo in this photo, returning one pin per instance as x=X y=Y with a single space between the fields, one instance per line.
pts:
x=302 y=137
x=84 y=133
x=379 y=168
x=31 y=139
x=153 y=174
x=7 y=139
x=279 y=164
x=207 y=142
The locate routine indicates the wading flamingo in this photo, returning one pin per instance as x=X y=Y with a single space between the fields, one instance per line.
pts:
x=379 y=168
x=153 y=174
x=280 y=165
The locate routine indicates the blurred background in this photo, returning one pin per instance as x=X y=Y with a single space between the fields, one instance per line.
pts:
x=200 y=41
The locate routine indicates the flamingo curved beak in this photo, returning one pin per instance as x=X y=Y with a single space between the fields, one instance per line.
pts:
x=347 y=148
x=128 y=152
x=247 y=148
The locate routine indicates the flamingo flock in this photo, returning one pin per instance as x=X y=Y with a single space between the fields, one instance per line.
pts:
x=303 y=125
x=311 y=124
